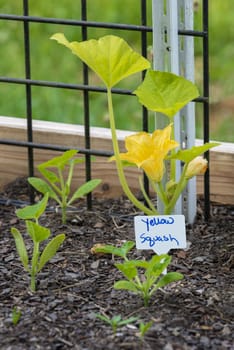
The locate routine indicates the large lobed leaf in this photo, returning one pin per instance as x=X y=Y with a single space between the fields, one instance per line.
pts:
x=165 y=92
x=110 y=57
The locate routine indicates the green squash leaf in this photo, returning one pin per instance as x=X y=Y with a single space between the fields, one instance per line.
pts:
x=126 y=285
x=144 y=327
x=165 y=92
x=126 y=247
x=43 y=187
x=127 y=321
x=50 y=250
x=118 y=251
x=33 y=211
x=110 y=57
x=48 y=174
x=37 y=232
x=157 y=265
x=168 y=278
x=20 y=247
x=189 y=154
x=84 y=189
x=60 y=161
x=128 y=268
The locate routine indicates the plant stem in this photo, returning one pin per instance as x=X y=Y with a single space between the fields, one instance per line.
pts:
x=64 y=215
x=70 y=174
x=179 y=189
x=161 y=193
x=33 y=283
x=34 y=266
x=173 y=161
x=146 y=299
x=119 y=165
x=64 y=197
x=147 y=199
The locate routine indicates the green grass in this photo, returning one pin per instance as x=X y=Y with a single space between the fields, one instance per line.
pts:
x=52 y=62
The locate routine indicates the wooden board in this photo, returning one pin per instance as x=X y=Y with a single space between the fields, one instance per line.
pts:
x=14 y=164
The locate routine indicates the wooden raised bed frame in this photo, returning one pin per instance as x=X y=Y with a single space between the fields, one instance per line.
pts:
x=14 y=164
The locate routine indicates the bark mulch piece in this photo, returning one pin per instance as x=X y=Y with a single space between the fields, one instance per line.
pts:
x=195 y=313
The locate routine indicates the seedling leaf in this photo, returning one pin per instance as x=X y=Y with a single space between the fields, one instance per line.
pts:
x=50 y=250
x=37 y=232
x=33 y=211
x=20 y=247
x=84 y=189
x=126 y=285
x=128 y=269
x=168 y=278
x=157 y=265
x=60 y=161
x=48 y=174
x=118 y=251
x=43 y=187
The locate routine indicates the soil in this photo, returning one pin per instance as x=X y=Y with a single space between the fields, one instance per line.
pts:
x=194 y=313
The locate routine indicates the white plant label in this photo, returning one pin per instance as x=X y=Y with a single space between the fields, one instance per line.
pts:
x=160 y=233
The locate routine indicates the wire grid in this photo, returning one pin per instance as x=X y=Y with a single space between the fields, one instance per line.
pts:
x=86 y=88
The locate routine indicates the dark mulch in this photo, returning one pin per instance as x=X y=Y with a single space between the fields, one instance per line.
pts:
x=195 y=313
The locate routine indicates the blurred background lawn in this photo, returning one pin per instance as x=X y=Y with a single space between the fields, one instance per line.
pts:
x=52 y=62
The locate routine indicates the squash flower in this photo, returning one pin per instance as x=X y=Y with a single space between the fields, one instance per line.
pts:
x=148 y=151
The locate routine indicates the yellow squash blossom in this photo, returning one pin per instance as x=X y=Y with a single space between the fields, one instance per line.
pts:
x=148 y=151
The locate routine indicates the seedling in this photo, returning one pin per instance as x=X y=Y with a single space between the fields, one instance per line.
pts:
x=15 y=316
x=142 y=277
x=38 y=234
x=144 y=327
x=116 y=321
x=58 y=185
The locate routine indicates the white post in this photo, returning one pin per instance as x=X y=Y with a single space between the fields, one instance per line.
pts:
x=175 y=54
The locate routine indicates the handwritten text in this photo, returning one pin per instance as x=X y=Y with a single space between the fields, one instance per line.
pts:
x=157 y=221
x=157 y=238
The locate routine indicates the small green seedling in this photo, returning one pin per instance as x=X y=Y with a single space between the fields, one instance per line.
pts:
x=15 y=316
x=144 y=327
x=57 y=184
x=147 y=281
x=38 y=234
x=116 y=321
x=142 y=277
